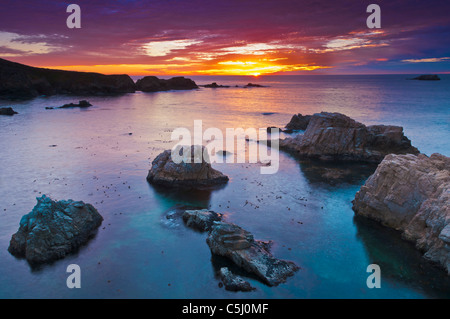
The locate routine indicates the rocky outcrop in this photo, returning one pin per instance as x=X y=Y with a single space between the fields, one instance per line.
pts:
x=54 y=229
x=82 y=104
x=7 y=111
x=214 y=85
x=233 y=282
x=237 y=244
x=252 y=85
x=22 y=81
x=298 y=122
x=201 y=220
x=154 y=84
x=336 y=137
x=188 y=173
x=412 y=194
x=427 y=77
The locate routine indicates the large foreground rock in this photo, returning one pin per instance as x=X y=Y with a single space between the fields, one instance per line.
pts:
x=336 y=137
x=54 y=229
x=412 y=194
x=153 y=84
x=239 y=246
x=186 y=174
x=22 y=81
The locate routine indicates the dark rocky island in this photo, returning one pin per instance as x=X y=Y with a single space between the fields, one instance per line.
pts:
x=154 y=84
x=427 y=77
x=53 y=230
x=22 y=81
x=81 y=104
x=214 y=85
x=187 y=174
x=412 y=194
x=252 y=85
x=7 y=111
x=336 y=137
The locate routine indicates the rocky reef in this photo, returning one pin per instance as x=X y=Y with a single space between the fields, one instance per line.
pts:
x=81 y=104
x=412 y=194
x=54 y=229
x=7 y=111
x=22 y=81
x=154 y=84
x=337 y=137
x=427 y=77
x=239 y=246
x=188 y=173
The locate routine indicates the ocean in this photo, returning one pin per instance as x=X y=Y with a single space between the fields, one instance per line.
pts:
x=90 y=155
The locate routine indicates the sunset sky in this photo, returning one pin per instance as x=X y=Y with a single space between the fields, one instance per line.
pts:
x=245 y=37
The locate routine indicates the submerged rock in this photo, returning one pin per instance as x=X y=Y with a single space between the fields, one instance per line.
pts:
x=412 y=194
x=201 y=219
x=154 y=84
x=239 y=246
x=53 y=230
x=7 y=111
x=187 y=174
x=298 y=122
x=336 y=137
x=233 y=282
x=427 y=77
x=82 y=104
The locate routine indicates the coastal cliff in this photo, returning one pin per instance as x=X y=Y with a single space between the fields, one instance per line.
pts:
x=22 y=81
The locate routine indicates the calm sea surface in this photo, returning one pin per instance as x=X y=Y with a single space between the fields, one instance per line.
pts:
x=89 y=155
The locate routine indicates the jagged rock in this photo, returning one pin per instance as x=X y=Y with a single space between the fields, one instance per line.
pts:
x=412 y=194
x=22 y=81
x=82 y=104
x=187 y=174
x=336 y=137
x=153 y=84
x=201 y=219
x=7 y=111
x=53 y=230
x=233 y=282
x=239 y=246
x=298 y=122
x=427 y=77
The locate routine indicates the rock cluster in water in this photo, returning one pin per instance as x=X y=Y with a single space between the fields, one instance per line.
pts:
x=187 y=174
x=239 y=246
x=54 y=229
x=154 y=84
x=81 y=104
x=412 y=194
x=336 y=137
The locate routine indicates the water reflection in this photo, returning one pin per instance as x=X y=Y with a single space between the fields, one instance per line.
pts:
x=400 y=262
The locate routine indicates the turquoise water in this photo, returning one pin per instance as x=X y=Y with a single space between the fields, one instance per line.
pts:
x=89 y=155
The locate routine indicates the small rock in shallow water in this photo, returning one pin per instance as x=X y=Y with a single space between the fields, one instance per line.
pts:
x=233 y=282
